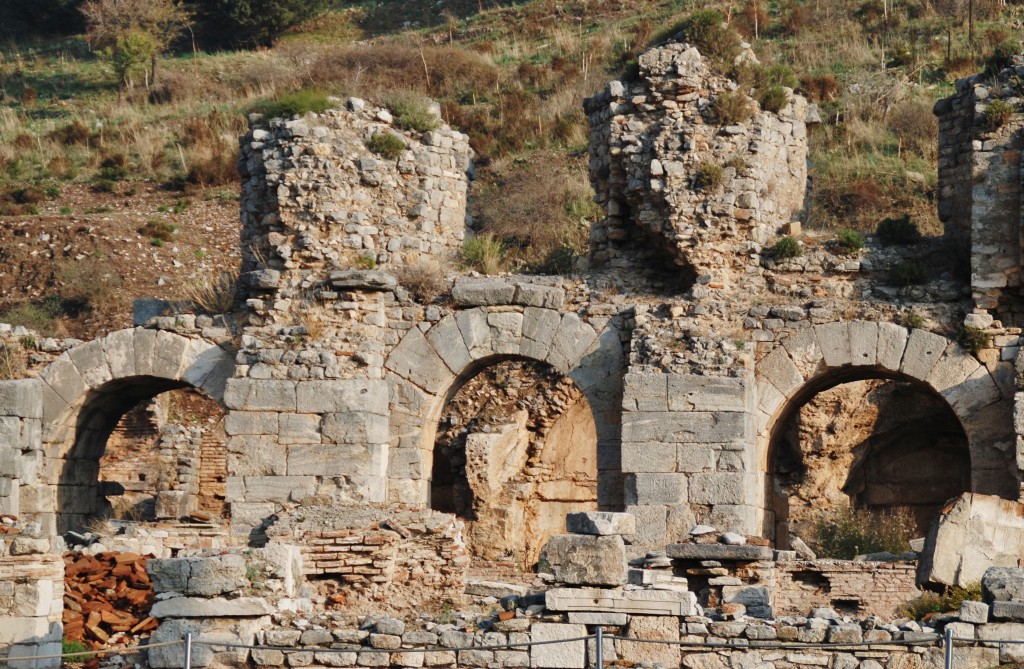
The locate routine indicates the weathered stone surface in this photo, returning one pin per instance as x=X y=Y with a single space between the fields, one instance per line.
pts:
x=660 y=628
x=718 y=552
x=217 y=607
x=260 y=395
x=600 y=523
x=974 y=612
x=641 y=602
x=483 y=292
x=1002 y=584
x=355 y=279
x=587 y=560
x=571 y=655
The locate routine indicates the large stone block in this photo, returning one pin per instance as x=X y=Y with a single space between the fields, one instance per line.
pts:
x=587 y=560
x=446 y=338
x=863 y=343
x=641 y=602
x=469 y=292
x=327 y=460
x=255 y=455
x=342 y=396
x=685 y=427
x=1003 y=584
x=416 y=360
x=721 y=488
x=260 y=395
x=600 y=523
x=655 y=488
x=922 y=353
x=692 y=392
x=892 y=340
x=21 y=397
x=355 y=428
x=718 y=552
x=779 y=370
x=652 y=628
x=648 y=456
x=834 y=342
x=217 y=607
x=645 y=392
x=568 y=655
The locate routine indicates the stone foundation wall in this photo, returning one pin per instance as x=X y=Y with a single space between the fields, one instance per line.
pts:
x=31 y=602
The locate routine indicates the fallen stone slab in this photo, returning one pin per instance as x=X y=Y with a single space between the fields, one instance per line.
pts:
x=600 y=523
x=718 y=552
x=218 y=607
x=494 y=589
x=642 y=602
x=579 y=559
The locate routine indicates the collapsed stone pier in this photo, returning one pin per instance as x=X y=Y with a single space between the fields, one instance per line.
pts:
x=692 y=346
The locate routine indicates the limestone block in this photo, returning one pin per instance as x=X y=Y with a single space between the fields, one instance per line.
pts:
x=251 y=422
x=506 y=331
x=217 y=607
x=571 y=341
x=168 y=354
x=1000 y=632
x=640 y=602
x=746 y=553
x=660 y=628
x=260 y=395
x=863 y=343
x=246 y=517
x=953 y=368
x=255 y=455
x=64 y=378
x=207 y=366
x=470 y=292
x=720 y=488
x=974 y=612
x=119 y=350
x=277 y=488
x=851 y=633
x=600 y=523
x=539 y=328
x=685 y=427
x=804 y=351
x=144 y=343
x=922 y=353
x=446 y=338
x=343 y=395
x=535 y=295
x=648 y=457
x=415 y=359
x=976 y=392
x=645 y=392
x=327 y=459
x=22 y=398
x=174 y=504
x=605 y=619
x=570 y=655
x=355 y=428
x=91 y=362
x=779 y=370
x=587 y=560
x=651 y=524
x=692 y=392
x=1003 y=584
x=363 y=279
x=892 y=340
x=299 y=428
x=834 y=342
x=655 y=488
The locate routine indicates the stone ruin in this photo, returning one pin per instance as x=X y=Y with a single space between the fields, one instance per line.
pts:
x=671 y=398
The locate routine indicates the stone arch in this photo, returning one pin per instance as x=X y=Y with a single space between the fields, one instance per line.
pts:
x=428 y=368
x=823 y=356
x=87 y=389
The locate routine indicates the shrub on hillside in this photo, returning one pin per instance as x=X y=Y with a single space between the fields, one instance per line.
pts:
x=412 y=112
x=908 y=273
x=706 y=30
x=787 y=247
x=708 y=176
x=252 y=22
x=773 y=99
x=845 y=533
x=732 y=108
x=849 y=241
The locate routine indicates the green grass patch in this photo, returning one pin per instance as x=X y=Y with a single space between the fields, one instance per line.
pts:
x=300 y=102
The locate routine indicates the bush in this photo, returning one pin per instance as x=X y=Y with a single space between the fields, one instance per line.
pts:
x=1002 y=56
x=732 y=107
x=900 y=230
x=300 y=102
x=846 y=533
x=412 y=112
x=157 y=231
x=787 y=247
x=773 y=99
x=484 y=253
x=908 y=273
x=913 y=320
x=705 y=29
x=424 y=279
x=708 y=176
x=76 y=132
x=849 y=241
x=950 y=600
x=114 y=167
x=387 y=145
x=253 y=22
x=973 y=339
x=997 y=114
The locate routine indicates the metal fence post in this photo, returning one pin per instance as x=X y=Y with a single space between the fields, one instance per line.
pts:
x=599 y=651
x=948 y=651
x=188 y=650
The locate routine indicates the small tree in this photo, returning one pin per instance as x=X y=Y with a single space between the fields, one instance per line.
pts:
x=132 y=32
x=254 y=22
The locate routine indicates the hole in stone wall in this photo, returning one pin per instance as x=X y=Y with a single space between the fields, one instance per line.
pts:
x=813 y=581
x=879 y=445
x=516 y=450
x=144 y=452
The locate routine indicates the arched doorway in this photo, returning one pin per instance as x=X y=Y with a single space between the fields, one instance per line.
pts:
x=516 y=449
x=89 y=390
x=961 y=402
x=879 y=445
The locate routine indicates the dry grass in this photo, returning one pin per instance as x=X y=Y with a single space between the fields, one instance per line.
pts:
x=424 y=279
x=213 y=296
x=12 y=361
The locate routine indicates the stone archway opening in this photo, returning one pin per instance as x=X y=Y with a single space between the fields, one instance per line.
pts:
x=143 y=449
x=516 y=449
x=886 y=445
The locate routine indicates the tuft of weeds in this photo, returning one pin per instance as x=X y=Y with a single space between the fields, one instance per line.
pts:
x=387 y=145
x=412 y=112
x=12 y=362
x=848 y=241
x=424 y=279
x=846 y=533
x=773 y=99
x=732 y=108
x=973 y=339
x=484 y=253
x=997 y=114
x=157 y=231
x=300 y=102
x=912 y=320
x=706 y=30
x=212 y=296
x=786 y=248
x=708 y=176
x=932 y=602
x=365 y=262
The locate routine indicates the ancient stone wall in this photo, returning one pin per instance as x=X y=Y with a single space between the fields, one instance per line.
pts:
x=852 y=588
x=31 y=595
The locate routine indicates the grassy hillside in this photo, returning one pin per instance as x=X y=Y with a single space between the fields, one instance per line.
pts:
x=512 y=75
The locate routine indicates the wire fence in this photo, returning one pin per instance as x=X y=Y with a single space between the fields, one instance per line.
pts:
x=189 y=643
